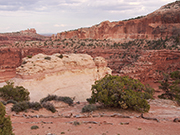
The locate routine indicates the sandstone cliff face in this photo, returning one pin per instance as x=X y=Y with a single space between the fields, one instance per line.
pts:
x=73 y=74
x=161 y=23
x=10 y=59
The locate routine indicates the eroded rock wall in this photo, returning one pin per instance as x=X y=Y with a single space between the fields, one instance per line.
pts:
x=161 y=23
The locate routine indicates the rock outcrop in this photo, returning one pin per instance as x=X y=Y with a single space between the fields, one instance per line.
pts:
x=7 y=39
x=64 y=75
x=10 y=59
x=164 y=22
x=32 y=30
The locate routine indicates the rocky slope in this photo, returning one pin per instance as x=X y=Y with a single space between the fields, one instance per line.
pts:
x=119 y=56
x=65 y=75
x=161 y=23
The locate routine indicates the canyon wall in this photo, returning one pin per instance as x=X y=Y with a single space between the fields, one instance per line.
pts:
x=164 y=22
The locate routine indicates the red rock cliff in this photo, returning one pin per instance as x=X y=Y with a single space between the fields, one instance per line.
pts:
x=161 y=23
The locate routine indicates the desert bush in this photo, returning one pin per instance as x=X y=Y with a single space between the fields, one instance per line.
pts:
x=18 y=93
x=175 y=75
x=48 y=98
x=20 y=107
x=49 y=106
x=29 y=56
x=47 y=58
x=23 y=106
x=5 y=122
x=34 y=127
x=89 y=108
x=35 y=105
x=11 y=101
x=171 y=88
x=60 y=56
x=67 y=100
x=122 y=92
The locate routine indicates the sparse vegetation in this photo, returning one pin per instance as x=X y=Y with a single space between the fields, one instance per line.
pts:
x=29 y=56
x=122 y=92
x=34 y=127
x=18 y=93
x=60 y=56
x=171 y=88
x=47 y=58
x=49 y=106
x=89 y=108
x=24 y=106
x=67 y=100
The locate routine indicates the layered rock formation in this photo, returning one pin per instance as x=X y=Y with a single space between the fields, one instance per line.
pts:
x=161 y=23
x=64 y=75
x=7 y=39
x=152 y=64
x=10 y=59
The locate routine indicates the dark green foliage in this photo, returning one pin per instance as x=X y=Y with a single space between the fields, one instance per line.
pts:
x=5 y=123
x=123 y=92
x=49 y=106
x=34 y=105
x=67 y=100
x=18 y=93
x=60 y=56
x=47 y=58
x=89 y=108
x=24 y=62
x=171 y=88
x=29 y=56
x=23 y=106
x=11 y=101
x=175 y=75
x=34 y=127
x=19 y=107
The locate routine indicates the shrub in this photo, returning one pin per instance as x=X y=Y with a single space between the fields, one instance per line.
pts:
x=29 y=56
x=47 y=58
x=171 y=89
x=60 y=56
x=123 y=92
x=18 y=93
x=19 y=107
x=11 y=101
x=89 y=108
x=34 y=105
x=49 y=107
x=34 y=127
x=23 y=106
x=48 y=98
x=67 y=100
x=5 y=123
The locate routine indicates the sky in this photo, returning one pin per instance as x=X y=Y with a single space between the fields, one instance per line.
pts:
x=54 y=16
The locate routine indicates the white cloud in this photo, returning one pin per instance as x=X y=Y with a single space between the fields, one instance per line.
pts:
x=59 y=15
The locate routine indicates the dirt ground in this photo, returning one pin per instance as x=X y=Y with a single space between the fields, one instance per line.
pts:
x=69 y=120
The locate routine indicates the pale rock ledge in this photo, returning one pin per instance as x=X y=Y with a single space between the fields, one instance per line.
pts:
x=72 y=75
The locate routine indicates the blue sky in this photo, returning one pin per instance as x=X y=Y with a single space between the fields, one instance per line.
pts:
x=54 y=16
